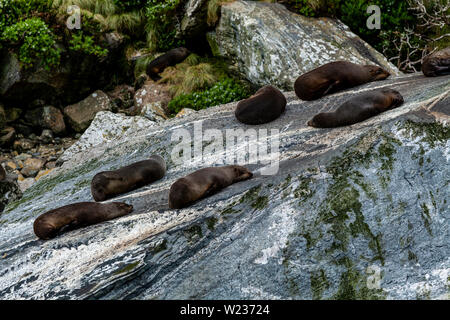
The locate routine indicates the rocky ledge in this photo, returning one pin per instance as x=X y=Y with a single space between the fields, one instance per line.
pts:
x=358 y=212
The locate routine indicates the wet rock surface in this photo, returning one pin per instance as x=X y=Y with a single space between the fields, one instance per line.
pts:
x=354 y=212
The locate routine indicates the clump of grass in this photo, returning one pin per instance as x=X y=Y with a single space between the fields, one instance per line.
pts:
x=185 y=78
x=107 y=14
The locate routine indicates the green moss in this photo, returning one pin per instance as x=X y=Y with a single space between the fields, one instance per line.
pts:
x=353 y=285
x=256 y=201
x=319 y=283
x=211 y=222
x=412 y=257
x=431 y=133
x=303 y=192
x=193 y=234
x=425 y=214
x=127 y=268
x=159 y=247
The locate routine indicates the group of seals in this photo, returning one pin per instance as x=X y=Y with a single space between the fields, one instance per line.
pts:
x=359 y=108
x=266 y=105
x=203 y=183
x=437 y=64
x=170 y=58
x=104 y=185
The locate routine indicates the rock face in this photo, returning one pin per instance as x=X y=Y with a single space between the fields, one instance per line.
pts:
x=77 y=75
x=82 y=113
x=354 y=212
x=271 y=45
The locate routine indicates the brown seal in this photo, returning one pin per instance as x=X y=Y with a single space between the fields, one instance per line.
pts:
x=437 y=64
x=266 y=105
x=335 y=76
x=108 y=184
x=77 y=215
x=2 y=173
x=170 y=58
x=203 y=183
x=358 y=108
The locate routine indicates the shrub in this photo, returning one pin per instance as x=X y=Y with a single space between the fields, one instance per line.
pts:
x=161 y=25
x=86 y=44
x=35 y=42
x=225 y=91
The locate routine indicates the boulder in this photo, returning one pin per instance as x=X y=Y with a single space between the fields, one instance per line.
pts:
x=32 y=166
x=81 y=114
x=47 y=117
x=270 y=45
x=151 y=101
x=357 y=212
x=105 y=128
x=77 y=75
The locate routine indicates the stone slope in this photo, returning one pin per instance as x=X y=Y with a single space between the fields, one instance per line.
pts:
x=354 y=212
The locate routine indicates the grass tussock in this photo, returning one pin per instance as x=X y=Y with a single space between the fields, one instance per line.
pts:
x=193 y=74
x=107 y=14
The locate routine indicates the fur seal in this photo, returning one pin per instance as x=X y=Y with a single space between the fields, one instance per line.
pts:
x=170 y=58
x=437 y=64
x=2 y=173
x=203 y=183
x=108 y=184
x=358 y=108
x=336 y=76
x=266 y=105
x=77 y=215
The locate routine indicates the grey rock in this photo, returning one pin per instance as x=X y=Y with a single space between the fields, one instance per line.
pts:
x=81 y=114
x=270 y=45
x=353 y=212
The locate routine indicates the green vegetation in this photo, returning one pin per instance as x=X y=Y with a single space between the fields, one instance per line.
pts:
x=225 y=91
x=161 y=22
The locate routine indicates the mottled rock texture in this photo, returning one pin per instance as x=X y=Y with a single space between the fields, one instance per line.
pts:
x=271 y=45
x=354 y=212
